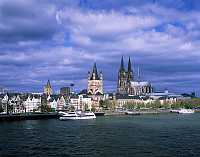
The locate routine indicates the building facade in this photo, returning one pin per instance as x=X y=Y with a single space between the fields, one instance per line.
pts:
x=95 y=82
x=81 y=102
x=32 y=103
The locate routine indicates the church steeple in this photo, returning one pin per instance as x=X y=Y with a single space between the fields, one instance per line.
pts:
x=129 y=65
x=122 y=64
x=48 y=84
x=48 y=89
x=95 y=81
x=94 y=75
x=95 y=69
x=130 y=72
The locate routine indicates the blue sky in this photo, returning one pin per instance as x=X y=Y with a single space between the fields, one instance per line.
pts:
x=61 y=39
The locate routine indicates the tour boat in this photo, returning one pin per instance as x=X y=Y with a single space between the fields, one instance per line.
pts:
x=77 y=115
x=185 y=111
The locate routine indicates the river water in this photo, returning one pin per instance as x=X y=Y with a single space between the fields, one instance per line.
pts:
x=166 y=135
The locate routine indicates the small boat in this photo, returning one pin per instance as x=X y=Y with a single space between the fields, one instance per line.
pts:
x=99 y=113
x=174 y=111
x=132 y=113
x=77 y=115
x=185 y=111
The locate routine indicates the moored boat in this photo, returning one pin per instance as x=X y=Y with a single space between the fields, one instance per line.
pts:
x=185 y=111
x=77 y=115
x=99 y=113
x=132 y=113
x=174 y=111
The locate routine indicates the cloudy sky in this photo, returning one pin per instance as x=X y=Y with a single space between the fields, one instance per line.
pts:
x=61 y=39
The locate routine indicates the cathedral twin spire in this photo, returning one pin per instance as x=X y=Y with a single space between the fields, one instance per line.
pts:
x=124 y=77
x=129 y=65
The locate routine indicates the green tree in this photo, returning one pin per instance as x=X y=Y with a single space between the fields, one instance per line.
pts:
x=1 y=108
x=45 y=108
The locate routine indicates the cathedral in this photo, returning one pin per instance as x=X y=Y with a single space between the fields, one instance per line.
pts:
x=127 y=83
x=95 y=82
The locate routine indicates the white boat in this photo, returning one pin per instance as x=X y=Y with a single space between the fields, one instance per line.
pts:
x=185 y=111
x=77 y=115
x=132 y=113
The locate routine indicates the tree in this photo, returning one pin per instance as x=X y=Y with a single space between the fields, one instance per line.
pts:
x=45 y=108
x=1 y=108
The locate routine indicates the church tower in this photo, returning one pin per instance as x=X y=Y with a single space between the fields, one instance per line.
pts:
x=129 y=75
x=95 y=82
x=48 y=89
x=122 y=78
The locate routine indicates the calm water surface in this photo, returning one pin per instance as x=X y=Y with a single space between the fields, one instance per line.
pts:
x=166 y=135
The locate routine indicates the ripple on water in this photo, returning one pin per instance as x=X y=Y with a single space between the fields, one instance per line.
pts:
x=146 y=135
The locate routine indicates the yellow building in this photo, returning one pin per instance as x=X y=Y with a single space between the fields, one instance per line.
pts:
x=48 y=89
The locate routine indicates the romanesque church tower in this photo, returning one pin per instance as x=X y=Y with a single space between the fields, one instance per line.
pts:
x=95 y=82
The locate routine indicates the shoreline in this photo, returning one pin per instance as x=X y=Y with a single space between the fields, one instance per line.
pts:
x=28 y=116
x=55 y=115
x=138 y=112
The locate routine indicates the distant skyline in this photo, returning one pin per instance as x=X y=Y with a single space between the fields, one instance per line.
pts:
x=60 y=40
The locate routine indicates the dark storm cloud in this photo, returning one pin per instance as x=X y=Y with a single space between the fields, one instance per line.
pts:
x=60 y=40
x=26 y=21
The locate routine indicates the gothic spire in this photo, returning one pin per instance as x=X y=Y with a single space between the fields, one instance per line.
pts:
x=48 y=83
x=95 y=69
x=129 y=65
x=122 y=64
x=94 y=72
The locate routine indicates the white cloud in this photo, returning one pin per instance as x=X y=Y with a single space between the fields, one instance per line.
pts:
x=133 y=31
x=102 y=22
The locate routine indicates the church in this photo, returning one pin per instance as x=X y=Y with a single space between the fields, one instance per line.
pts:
x=95 y=82
x=127 y=84
x=48 y=89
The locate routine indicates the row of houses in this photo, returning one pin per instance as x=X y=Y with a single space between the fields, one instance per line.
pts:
x=162 y=98
x=19 y=103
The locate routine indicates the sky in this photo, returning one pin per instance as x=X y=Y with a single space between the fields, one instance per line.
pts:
x=61 y=39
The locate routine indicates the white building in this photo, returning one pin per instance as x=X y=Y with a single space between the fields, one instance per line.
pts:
x=32 y=104
x=81 y=102
x=61 y=103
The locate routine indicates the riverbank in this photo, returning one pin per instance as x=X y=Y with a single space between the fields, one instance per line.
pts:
x=55 y=115
x=28 y=116
x=137 y=112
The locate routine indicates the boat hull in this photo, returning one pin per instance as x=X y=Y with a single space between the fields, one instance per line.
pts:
x=132 y=113
x=183 y=111
x=77 y=118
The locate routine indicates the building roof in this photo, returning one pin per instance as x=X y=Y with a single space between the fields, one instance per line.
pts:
x=126 y=96
x=139 y=83
x=94 y=73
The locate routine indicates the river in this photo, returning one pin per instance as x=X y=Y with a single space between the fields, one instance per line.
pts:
x=166 y=135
